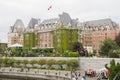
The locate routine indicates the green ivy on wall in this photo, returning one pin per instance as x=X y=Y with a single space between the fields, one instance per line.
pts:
x=64 y=39
x=29 y=40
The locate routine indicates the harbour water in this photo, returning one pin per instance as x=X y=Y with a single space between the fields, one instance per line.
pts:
x=7 y=79
x=19 y=79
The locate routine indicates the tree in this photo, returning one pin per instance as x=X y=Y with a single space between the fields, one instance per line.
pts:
x=113 y=54
x=77 y=46
x=1 y=62
x=114 y=69
x=3 y=49
x=117 y=39
x=107 y=46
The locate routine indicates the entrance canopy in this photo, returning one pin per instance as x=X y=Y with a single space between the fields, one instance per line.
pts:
x=16 y=46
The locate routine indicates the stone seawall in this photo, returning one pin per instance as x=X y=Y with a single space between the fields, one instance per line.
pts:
x=95 y=63
x=85 y=63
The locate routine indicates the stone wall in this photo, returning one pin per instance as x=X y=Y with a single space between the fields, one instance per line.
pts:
x=95 y=63
x=84 y=63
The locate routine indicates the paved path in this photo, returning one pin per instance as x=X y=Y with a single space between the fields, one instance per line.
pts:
x=46 y=72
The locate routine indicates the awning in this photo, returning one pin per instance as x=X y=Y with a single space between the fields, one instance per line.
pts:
x=15 y=45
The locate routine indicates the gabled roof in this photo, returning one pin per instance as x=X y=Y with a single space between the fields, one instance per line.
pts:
x=32 y=23
x=50 y=21
x=19 y=24
x=65 y=18
x=97 y=23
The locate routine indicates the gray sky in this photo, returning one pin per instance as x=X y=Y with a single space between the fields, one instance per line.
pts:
x=85 y=10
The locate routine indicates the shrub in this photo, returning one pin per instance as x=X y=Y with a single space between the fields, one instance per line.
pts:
x=73 y=54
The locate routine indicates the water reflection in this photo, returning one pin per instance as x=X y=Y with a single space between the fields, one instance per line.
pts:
x=20 y=79
x=7 y=79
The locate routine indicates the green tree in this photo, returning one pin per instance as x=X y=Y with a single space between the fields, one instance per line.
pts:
x=77 y=46
x=1 y=62
x=117 y=39
x=113 y=54
x=114 y=69
x=107 y=46
x=3 y=49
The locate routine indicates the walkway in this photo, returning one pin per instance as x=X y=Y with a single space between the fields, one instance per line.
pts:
x=38 y=73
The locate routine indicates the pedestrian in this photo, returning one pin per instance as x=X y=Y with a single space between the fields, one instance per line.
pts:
x=28 y=69
x=83 y=78
x=71 y=73
x=73 y=78
x=76 y=75
x=79 y=74
x=10 y=68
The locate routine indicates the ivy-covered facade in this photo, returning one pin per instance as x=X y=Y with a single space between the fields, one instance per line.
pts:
x=64 y=39
x=56 y=34
x=29 y=40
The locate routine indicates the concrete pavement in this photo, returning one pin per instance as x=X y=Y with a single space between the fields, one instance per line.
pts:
x=66 y=74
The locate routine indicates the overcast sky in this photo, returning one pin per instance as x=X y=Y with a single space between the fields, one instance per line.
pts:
x=85 y=10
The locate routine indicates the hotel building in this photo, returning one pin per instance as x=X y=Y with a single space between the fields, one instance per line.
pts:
x=96 y=31
x=15 y=34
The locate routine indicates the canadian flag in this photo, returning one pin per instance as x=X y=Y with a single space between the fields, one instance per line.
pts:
x=49 y=7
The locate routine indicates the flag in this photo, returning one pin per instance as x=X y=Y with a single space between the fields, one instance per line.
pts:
x=49 y=7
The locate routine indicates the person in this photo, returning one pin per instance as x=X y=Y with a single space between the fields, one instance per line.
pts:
x=108 y=72
x=28 y=69
x=83 y=78
x=76 y=75
x=73 y=78
x=72 y=75
x=21 y=70
x=79 y=74
x=10 y=68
